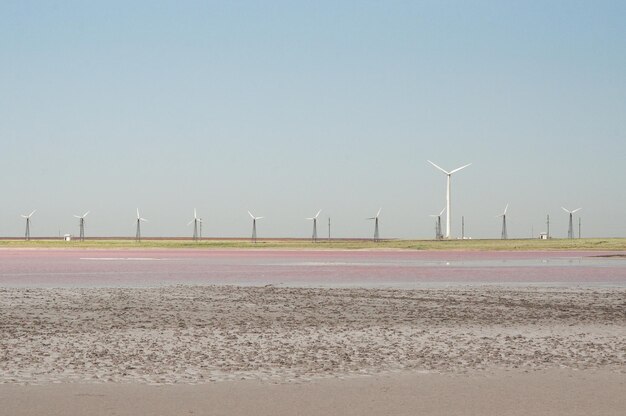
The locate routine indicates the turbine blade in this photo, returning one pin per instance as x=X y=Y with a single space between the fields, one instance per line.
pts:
x=378 y=213
x=458 y=169
x=371 y=218
x=441 y=213
x=23 y=216
x=318 y=213
x=143 y=219
x=259 y=218
x=252 y=216
x=309 y=218
x=31 y=214
x=505 y=208
x=441 y=169
x=138 y=216
x=576 y=210
x=566 y=210
x=194 y=214
x=190 y=222
x=77 y=216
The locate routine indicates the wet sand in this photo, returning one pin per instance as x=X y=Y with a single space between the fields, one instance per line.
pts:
x=512 y=393
x=212 y=349
x=197 y=334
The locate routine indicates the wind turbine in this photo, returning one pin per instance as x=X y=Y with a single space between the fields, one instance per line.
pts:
x=81 y=222
x=570 y=230
x=195 y=222
x=438 y=234
x=314 y=219
x=254 y=226
x=27 y=217
x=376 y=235
x=139 y=221
x=503 y=215
x=448 y=198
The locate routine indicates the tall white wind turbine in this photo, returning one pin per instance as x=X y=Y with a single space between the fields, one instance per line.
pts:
x=139 y=221
x=448 y=197
x=376 y=235
x=314 y=219
x=81 y=224
x=504 y=235
x=195 y=223
x=27 y=217
x=438 y=233
x=254 y=226
x=570 y=230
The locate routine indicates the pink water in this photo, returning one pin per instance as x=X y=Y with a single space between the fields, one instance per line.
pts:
x=154 y=267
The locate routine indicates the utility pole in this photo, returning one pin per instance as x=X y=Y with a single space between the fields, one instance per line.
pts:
x=329 y=229
x=462 y=228
x=579 y=228
x=548 y=223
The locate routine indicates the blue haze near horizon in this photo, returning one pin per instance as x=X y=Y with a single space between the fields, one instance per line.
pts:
x=284 y=108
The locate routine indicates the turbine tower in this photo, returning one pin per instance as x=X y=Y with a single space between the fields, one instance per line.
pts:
x=195 y=223
x=81 y=223
x=254 y=226
x=438 y=234
x=27 y=217
x=570 y=230
x=376 y=235
x=314 y=219
x=448 y=198
x=503 y=215
x=139 y=221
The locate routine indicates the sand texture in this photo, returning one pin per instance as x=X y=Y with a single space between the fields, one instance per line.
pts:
x=501 y=393
x=197 y=334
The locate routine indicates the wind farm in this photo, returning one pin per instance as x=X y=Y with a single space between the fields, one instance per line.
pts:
x=339 y=208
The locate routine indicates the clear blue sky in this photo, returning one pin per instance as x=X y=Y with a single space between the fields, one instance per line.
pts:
x=284 y=108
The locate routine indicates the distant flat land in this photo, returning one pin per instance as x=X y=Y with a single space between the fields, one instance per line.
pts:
x=599 y=244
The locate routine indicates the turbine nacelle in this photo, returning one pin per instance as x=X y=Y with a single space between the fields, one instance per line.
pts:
x=571 y=212
x=438 y=215
x=376 y=217
x=253 y=217
x=315 y=217
x=80 y=217
x=195 y=218
x=29 y=215
x=139 y=217
x=504 y=213
x=445 y=171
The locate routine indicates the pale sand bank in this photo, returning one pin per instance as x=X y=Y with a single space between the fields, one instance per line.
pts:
x=548 y=392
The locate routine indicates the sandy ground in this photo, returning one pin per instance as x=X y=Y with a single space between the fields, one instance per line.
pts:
x=107 y=343
x=546 y=392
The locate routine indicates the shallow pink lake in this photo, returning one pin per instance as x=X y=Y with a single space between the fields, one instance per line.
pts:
x=156 y=267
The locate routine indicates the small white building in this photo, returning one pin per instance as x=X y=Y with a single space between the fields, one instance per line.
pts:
x=67 y=237
x=543 y=236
